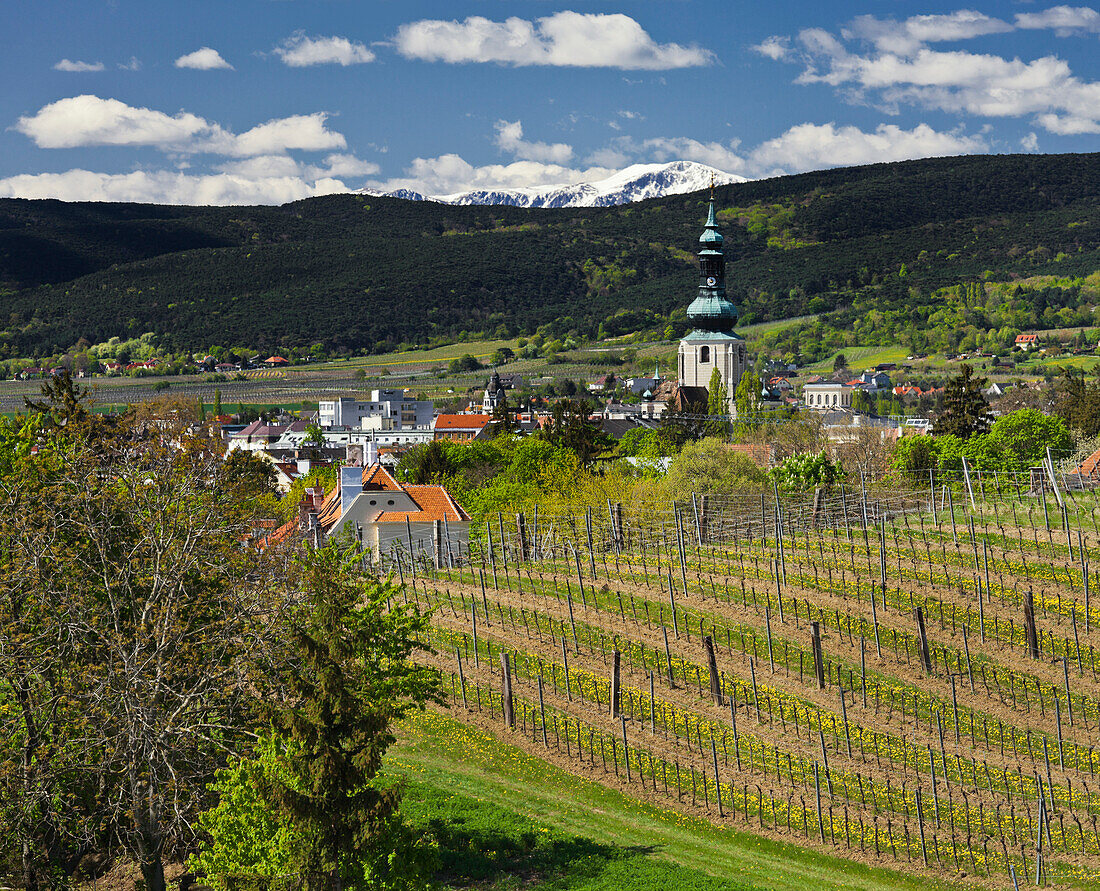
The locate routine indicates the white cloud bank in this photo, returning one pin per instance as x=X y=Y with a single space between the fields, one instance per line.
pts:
x=300 y=51
x=257 y=169
x=803 y=147
x=903 y=69
x=566 y=39
x=166 y=187
x=256 y=166
x=203 y=59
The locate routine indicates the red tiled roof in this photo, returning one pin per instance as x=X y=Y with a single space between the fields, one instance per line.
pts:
x=461 y=422
x=759 y=453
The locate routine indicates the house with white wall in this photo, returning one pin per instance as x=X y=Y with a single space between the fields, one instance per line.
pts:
x=388 y=516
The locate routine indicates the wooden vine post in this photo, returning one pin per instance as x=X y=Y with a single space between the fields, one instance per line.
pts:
x=819 y=661
x=506 y=697
x=616 y=689
x=922 y=634
x=1029 y=625
x=712 y=668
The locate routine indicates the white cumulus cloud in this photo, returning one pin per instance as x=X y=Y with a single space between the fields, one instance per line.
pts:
x=901 y=69
x=813 y=146
x=203 y=59
x=77 y=66
x=567 y=39
x=306 y=132
x=300 y=51
x=775 y=47
x=509 y=138
x=89 y=120
x=907 y=36
x=1064 y=20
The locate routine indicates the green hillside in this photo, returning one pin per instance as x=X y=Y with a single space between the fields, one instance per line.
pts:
x=365 y=273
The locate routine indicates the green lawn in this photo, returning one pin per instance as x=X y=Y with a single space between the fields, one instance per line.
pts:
x=753 y=332
x=510 y=820
x=862 y=357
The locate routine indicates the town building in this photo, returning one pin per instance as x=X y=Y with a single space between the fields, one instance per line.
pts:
x=260 y=435
x=461 y=428
x=388 y=410
x=495 y=395
x=711 y=343
x=387 y=517
x=826 y=395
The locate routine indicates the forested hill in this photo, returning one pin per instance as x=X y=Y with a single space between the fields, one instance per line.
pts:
x=357 y=272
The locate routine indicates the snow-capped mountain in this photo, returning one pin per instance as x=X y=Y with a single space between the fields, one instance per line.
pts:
x=634 y=183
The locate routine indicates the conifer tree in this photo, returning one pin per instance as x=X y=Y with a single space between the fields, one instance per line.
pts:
x=964 y=408
x=348 y=680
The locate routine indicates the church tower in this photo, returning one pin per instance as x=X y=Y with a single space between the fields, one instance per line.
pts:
x=712 y=342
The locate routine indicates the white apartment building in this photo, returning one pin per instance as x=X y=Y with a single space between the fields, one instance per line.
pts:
x=386 y=410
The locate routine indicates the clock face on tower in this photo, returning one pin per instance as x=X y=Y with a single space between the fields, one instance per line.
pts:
x=711 y=281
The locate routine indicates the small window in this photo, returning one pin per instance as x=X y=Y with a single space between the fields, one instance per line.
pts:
x=390 y=502
x=704 y=354
x=373 y=501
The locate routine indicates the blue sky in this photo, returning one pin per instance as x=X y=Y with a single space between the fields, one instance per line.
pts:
x=243 y=101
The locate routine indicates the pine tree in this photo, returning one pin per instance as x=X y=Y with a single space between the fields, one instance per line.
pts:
x=348 y=679
x=964 y=408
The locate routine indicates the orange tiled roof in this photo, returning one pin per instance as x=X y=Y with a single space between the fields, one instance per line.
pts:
x=461 y=422
x=1091 y=465
x=331 y=509
x=281 y=534
x=376 y=478
x=435 y=503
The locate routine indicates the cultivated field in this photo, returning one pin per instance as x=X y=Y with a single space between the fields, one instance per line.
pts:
x=947 y=721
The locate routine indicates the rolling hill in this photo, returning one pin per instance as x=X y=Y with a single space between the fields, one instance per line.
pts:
x=365 y=273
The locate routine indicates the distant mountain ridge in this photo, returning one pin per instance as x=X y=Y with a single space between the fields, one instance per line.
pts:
x=635 y=183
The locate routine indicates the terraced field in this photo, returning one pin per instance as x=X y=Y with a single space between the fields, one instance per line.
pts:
x=948 y=721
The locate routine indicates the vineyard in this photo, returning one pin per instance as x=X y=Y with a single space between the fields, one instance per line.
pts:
x=905 y=678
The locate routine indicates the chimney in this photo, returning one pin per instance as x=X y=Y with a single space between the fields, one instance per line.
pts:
x=351 y=484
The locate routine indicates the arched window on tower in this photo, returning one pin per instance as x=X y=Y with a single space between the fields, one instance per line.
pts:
x=704 y=354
